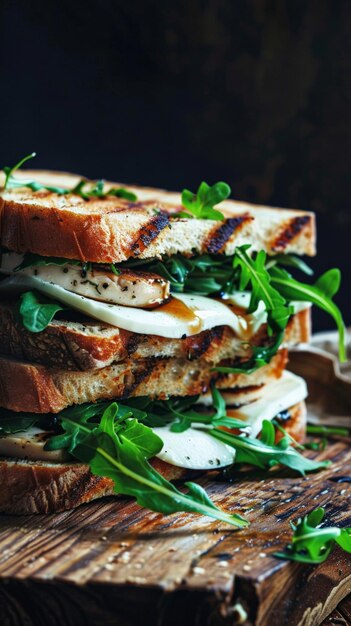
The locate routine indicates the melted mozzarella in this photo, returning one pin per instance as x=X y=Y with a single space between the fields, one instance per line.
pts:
x=193 y=449
x=29 y=445
x=278 y=396
x=198 y=313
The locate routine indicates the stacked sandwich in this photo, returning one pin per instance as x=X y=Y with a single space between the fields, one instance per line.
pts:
x=145 y=336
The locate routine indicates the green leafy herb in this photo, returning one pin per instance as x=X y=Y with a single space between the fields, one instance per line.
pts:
x=84 y=188
x=14 y=183
x=312 y=543
x=322 y=433
x=264 y=453
x=326 y=431
x=289 y=260
x=254 y=273
x=180 y=413
x=201 y=204
x=291 y=439
x=12 y=423
x=36 y=315
x=35 y=260
x=114 y=269
x=320 y=294
x=119 y=448
x=205 y=274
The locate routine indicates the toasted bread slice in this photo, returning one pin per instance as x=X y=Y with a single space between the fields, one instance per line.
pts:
x=89 y=344
x=41 y=487
x=37 y=389
x=114 y=230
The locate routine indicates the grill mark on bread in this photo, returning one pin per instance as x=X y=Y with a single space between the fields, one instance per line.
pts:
x=149 y=232
x=81 y=486
x=220 y=234
x=133 y=342
x=72 y=352
x=139 y=376
x=290 y=231
x=198 y=345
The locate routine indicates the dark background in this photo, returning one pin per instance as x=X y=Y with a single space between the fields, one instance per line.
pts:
x=253 y=92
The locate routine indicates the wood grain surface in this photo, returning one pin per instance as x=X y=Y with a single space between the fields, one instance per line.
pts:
x=112 y=563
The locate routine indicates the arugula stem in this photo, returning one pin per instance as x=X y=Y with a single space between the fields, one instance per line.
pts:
x=218 y=515
x=327 y=430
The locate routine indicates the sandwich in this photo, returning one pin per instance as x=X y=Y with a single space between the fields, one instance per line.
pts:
x=145 y=338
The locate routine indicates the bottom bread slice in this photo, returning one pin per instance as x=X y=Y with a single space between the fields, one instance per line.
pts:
x=41 y=487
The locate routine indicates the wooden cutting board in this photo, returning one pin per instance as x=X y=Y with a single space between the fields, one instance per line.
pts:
x=112 y=563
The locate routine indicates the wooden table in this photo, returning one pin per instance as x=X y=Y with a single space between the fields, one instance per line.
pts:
x=113 y=563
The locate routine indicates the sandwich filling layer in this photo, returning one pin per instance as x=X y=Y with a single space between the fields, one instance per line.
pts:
x=193 y=448
x=183 y=315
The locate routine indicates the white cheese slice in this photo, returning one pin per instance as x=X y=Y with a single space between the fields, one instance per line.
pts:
x=29 y=445
x=278 y=396
x=185 y=315
x=193 y=449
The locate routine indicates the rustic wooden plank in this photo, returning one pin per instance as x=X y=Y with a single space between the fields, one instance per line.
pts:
x=113 y=558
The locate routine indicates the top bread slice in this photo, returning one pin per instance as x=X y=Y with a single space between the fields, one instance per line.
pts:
x=112 y=230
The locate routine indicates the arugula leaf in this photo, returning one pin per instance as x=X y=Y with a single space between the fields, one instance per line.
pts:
x=264 y=453
x=87 y=190
x=10 y=181
x=12 y=423
x=14 y=183
x=35 y=260
x=201 y=205
x=254 y=273
x=36 y=315
x=320 y=294
x=119 y=449
x=179 y=412
x=289 y=260
x=94 y=190
x=204 y=274
x=312 y=543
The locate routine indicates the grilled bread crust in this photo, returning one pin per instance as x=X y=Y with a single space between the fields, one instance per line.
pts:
x=38 y=389
x=89 y=344
x=114 y=230
x=40 y=487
